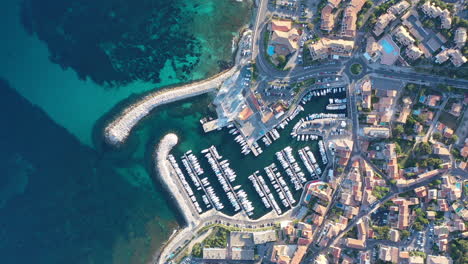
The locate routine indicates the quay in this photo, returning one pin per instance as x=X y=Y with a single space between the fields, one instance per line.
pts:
x=119 y=129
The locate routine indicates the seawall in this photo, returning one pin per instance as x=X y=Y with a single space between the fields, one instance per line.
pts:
x=117 y=131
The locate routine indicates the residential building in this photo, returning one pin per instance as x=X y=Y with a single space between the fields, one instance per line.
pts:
x=456 y=57
x=327 y=16
x=335 y=47
x=377 y=132
x=399 y=8
x=366 y=91
x=433 y=11
x=382 y=22
x=438 y=260
x=403 y=36
x=413 y=52
x=460 y=37
x=215 y=253
x=348 y=26
x=284 y=37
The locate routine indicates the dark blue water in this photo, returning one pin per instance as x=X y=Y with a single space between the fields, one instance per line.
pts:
x=66 y=65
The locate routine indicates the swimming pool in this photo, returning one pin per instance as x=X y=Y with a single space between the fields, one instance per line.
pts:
x=388 y=48
x=271 y=50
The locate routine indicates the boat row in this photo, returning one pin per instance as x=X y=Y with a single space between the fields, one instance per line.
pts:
x=336 y=107
x=289 y=164
x=184 y=182
x=280 y=185
x=214 y=198
x=246 y=203
x=271 y=136
x=309 y=162
x=259 y=191
x=244 y=146
x=225 y=176
x=268 y=193
x=323 y=116
x=337 y=100
x=303 y=137
x=321 y=92
x=298 y=109
x=323 y=153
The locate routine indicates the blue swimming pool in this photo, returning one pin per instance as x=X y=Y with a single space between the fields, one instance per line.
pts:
x=271 y=50
x=388 y=48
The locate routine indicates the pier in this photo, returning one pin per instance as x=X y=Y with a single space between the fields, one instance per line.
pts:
x=272 y=175
x=197 y=178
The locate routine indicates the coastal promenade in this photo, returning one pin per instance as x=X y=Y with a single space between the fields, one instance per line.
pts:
x=119 y=129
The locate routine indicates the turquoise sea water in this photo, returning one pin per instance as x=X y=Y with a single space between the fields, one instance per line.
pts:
x=61 y=199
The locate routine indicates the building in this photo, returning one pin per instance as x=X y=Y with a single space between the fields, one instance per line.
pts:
x=284 y=38
x=327 y=16
x=460 y=37
x=214 y=253
x=382 y=22
x=438 y=260
x=416 y=260
x=377 y=132
x=264 y=237
x=348 y=25
x=282 y=254
x=433 y=11
x=403 y=36
x=456 y=57
x=394 y=235
x=326 y=47
x=366 y=91
x=373 y=50
x=399 y=8
x=390 y=254
x=413 y=52
x=456 y=109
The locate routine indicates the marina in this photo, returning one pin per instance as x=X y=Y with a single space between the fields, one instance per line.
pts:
x=237 y=179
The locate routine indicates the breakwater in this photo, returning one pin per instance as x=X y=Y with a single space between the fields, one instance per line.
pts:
x=170 y=181
x=117 y=131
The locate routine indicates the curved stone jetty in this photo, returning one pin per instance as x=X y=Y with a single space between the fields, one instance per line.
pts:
x=118 y=130
x=165 y=146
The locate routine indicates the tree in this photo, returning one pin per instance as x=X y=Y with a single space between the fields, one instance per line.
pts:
x=281 y=60
x=459 y=250
x=398 y=130
x=404 y=234
x=454 y=139
x=437 y=135
x=424 y=148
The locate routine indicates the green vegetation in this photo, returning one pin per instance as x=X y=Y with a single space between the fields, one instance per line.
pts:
x=435 y=183
x=362 y=12
x=382 y=8
x=382 y=232
x=421 y=219
x=398 y=131
x=197 y=250
x=404 y=234
x=217 y=239
x=281 y=61
x=424 y=148
x=437 y=135
x=380 y=191
x=356 y=69
x=418 y=253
